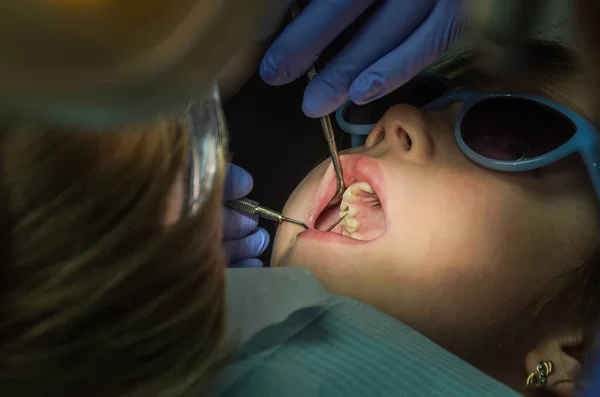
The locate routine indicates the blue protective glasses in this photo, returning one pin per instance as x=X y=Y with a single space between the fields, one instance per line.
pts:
x=500 y=131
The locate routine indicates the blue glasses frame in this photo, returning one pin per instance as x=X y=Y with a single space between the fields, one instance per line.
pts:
x=585 y=140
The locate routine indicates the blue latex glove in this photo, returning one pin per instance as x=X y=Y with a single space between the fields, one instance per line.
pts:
x=243 y=240
x=400 y=40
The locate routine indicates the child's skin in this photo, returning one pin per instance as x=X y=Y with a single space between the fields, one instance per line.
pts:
x=465 y=249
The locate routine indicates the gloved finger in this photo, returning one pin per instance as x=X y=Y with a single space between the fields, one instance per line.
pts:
x=428 y=42
x=237 y=225
x=387 y=28
x=238 y=183
x=250 y=246
x=300 y=44
x=246 y=263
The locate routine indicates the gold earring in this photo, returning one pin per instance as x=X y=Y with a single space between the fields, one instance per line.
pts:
x=538 y=378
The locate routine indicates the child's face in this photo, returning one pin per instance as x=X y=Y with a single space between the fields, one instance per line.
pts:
x=453 y=249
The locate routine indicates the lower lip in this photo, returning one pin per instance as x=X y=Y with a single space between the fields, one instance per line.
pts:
x=328 y=237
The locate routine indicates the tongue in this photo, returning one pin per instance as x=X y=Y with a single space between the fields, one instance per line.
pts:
x=370 y=216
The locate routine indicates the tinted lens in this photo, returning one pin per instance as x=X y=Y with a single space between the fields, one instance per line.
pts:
x=511 y=129
x=417 y=92
x=208 y=140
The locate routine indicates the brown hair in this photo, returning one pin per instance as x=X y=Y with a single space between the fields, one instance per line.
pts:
x=97 y=297
x=551 y=63
x=586 y=14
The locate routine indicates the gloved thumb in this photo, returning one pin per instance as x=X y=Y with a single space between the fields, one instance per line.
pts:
x=238 y=183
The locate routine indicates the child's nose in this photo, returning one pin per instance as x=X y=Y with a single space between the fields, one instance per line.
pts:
x=403 y=128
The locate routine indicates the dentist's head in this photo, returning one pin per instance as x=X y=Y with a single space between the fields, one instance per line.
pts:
x=100 y=62
x=109 y=284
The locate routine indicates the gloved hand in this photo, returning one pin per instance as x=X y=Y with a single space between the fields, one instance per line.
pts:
x=243 y=240
x=400 y=40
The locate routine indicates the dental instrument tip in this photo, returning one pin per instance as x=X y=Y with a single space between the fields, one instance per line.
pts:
x=254 y=208
x=335 y=159
x=337 y=198
x=337 y=222
x=290 y=220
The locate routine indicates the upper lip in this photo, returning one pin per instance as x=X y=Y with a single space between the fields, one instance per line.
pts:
x=356 y=168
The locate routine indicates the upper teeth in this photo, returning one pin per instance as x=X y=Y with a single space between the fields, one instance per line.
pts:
x=350 y=224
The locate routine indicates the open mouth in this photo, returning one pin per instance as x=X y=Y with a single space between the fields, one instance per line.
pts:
x=362 y=205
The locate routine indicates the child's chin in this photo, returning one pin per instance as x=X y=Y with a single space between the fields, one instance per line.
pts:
x=282 y=248
x=282 y=257
x=307 y=256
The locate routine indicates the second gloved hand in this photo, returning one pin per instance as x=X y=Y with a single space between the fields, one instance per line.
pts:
x=401 y=38
x=243 y=240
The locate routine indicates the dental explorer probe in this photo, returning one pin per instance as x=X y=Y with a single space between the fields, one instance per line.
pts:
x=328 y=131
x=337 y=222
x=251 y=207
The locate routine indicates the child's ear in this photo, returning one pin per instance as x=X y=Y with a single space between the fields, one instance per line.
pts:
x=563 y=352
